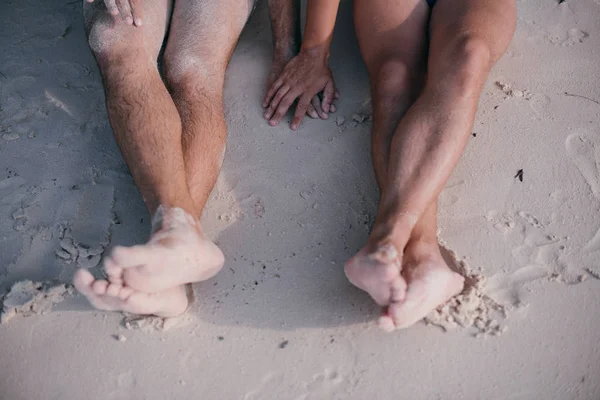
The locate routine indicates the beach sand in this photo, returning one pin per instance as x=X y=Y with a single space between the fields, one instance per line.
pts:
x=520 y=216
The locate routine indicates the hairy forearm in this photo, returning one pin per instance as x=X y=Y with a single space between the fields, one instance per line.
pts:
x=320 y=21
x=285 y=25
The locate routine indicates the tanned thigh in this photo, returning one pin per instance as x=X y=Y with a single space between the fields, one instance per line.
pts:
x=392 y=29
x=490 y=23
x=203 y=36
x=109 y=34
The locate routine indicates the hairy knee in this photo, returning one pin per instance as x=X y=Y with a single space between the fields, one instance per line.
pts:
x=105 y=35
x=187 y=71
x=394 y=81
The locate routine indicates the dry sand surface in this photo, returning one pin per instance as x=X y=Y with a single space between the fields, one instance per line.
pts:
x=280 y=321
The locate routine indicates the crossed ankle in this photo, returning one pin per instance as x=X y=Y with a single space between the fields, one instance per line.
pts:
x=395 y=230
x=168 y=218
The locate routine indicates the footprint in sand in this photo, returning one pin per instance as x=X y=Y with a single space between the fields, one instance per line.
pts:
x=574 y=36
x=586 y=157
x=323 y=385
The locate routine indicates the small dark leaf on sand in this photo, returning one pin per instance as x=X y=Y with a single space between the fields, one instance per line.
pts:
x=519 y=175
x=283 y=344
x=474 y=134
x=66 y=32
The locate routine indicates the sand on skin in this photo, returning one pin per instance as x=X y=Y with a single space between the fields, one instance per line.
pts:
x=289 y=209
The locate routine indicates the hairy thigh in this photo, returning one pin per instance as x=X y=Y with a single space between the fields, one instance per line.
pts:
x=109 y=34
x=392 y=30
x=203 y=36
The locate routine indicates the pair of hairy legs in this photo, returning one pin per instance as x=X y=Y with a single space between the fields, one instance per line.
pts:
x=172 y=136
x=427 y=68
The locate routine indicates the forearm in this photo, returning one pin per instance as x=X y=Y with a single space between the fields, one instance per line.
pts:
x=320 y=21
x=285 y=25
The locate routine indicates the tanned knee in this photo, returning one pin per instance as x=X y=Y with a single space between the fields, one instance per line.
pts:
x=394 y=83
x=469 y=61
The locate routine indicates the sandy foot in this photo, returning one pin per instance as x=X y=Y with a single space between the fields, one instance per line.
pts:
x=108 y=296
x=177 y=253
x=430 y=283
x=429 y=280
x=378 y=273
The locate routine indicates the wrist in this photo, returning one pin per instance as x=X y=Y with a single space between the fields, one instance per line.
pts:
x=285 y=52
x=319 y=52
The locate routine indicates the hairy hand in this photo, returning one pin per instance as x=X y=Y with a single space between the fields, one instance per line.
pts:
x=130 y=10
x=302 y=78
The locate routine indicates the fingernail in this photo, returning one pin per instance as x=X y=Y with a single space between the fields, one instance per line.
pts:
x=138 y=21
x=129 y=20
x=326 y=116
x=272 y=122
x=266 y=115
x=294 y=127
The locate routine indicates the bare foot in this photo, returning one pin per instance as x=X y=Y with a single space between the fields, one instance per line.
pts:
x=430 y=283
x=177 y=253
x=378 y=273
x=113 y=297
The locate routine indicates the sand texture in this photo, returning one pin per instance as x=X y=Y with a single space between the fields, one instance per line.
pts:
x=519 y=217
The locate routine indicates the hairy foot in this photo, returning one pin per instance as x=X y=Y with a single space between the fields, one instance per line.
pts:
x=109 y=296
x=177 y=253
x=431 y=283
x=378 y=273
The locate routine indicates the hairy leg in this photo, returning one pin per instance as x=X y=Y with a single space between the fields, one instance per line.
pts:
x=287 y=36
x=148 y=129
x=467 y=37
x=202 y=38
x=203 y=35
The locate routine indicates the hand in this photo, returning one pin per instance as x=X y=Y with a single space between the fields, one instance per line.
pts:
x=130 y=10
x=303 y=77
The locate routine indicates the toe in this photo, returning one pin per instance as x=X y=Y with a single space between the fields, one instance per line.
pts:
x=125 y=293
x=113 y=290
x=83 y=281
x=112 y=269
x=386 y=323
x=398 y=290
x=99 y=287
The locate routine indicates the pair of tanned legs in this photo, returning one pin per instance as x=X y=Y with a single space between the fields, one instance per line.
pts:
x=174 y=139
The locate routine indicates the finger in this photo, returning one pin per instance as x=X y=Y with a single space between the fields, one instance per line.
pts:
x=317 y=105
x=271 y=92
x=328 y=94
x=276 y=100
x=312 y=112
x=111 y=6
x=136 y=11
x=125 y=11
x=337 y=94
x=283 y=107
x=301 y=110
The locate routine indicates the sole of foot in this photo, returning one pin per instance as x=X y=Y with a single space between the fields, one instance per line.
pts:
x=378 y=273
x=431 y=283
x=177 y=253
x=109 y=296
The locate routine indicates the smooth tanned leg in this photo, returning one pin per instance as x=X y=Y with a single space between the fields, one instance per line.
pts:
x=467 y=37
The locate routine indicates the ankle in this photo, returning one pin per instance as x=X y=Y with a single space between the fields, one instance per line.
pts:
x=396 y=231
x=168 y=218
